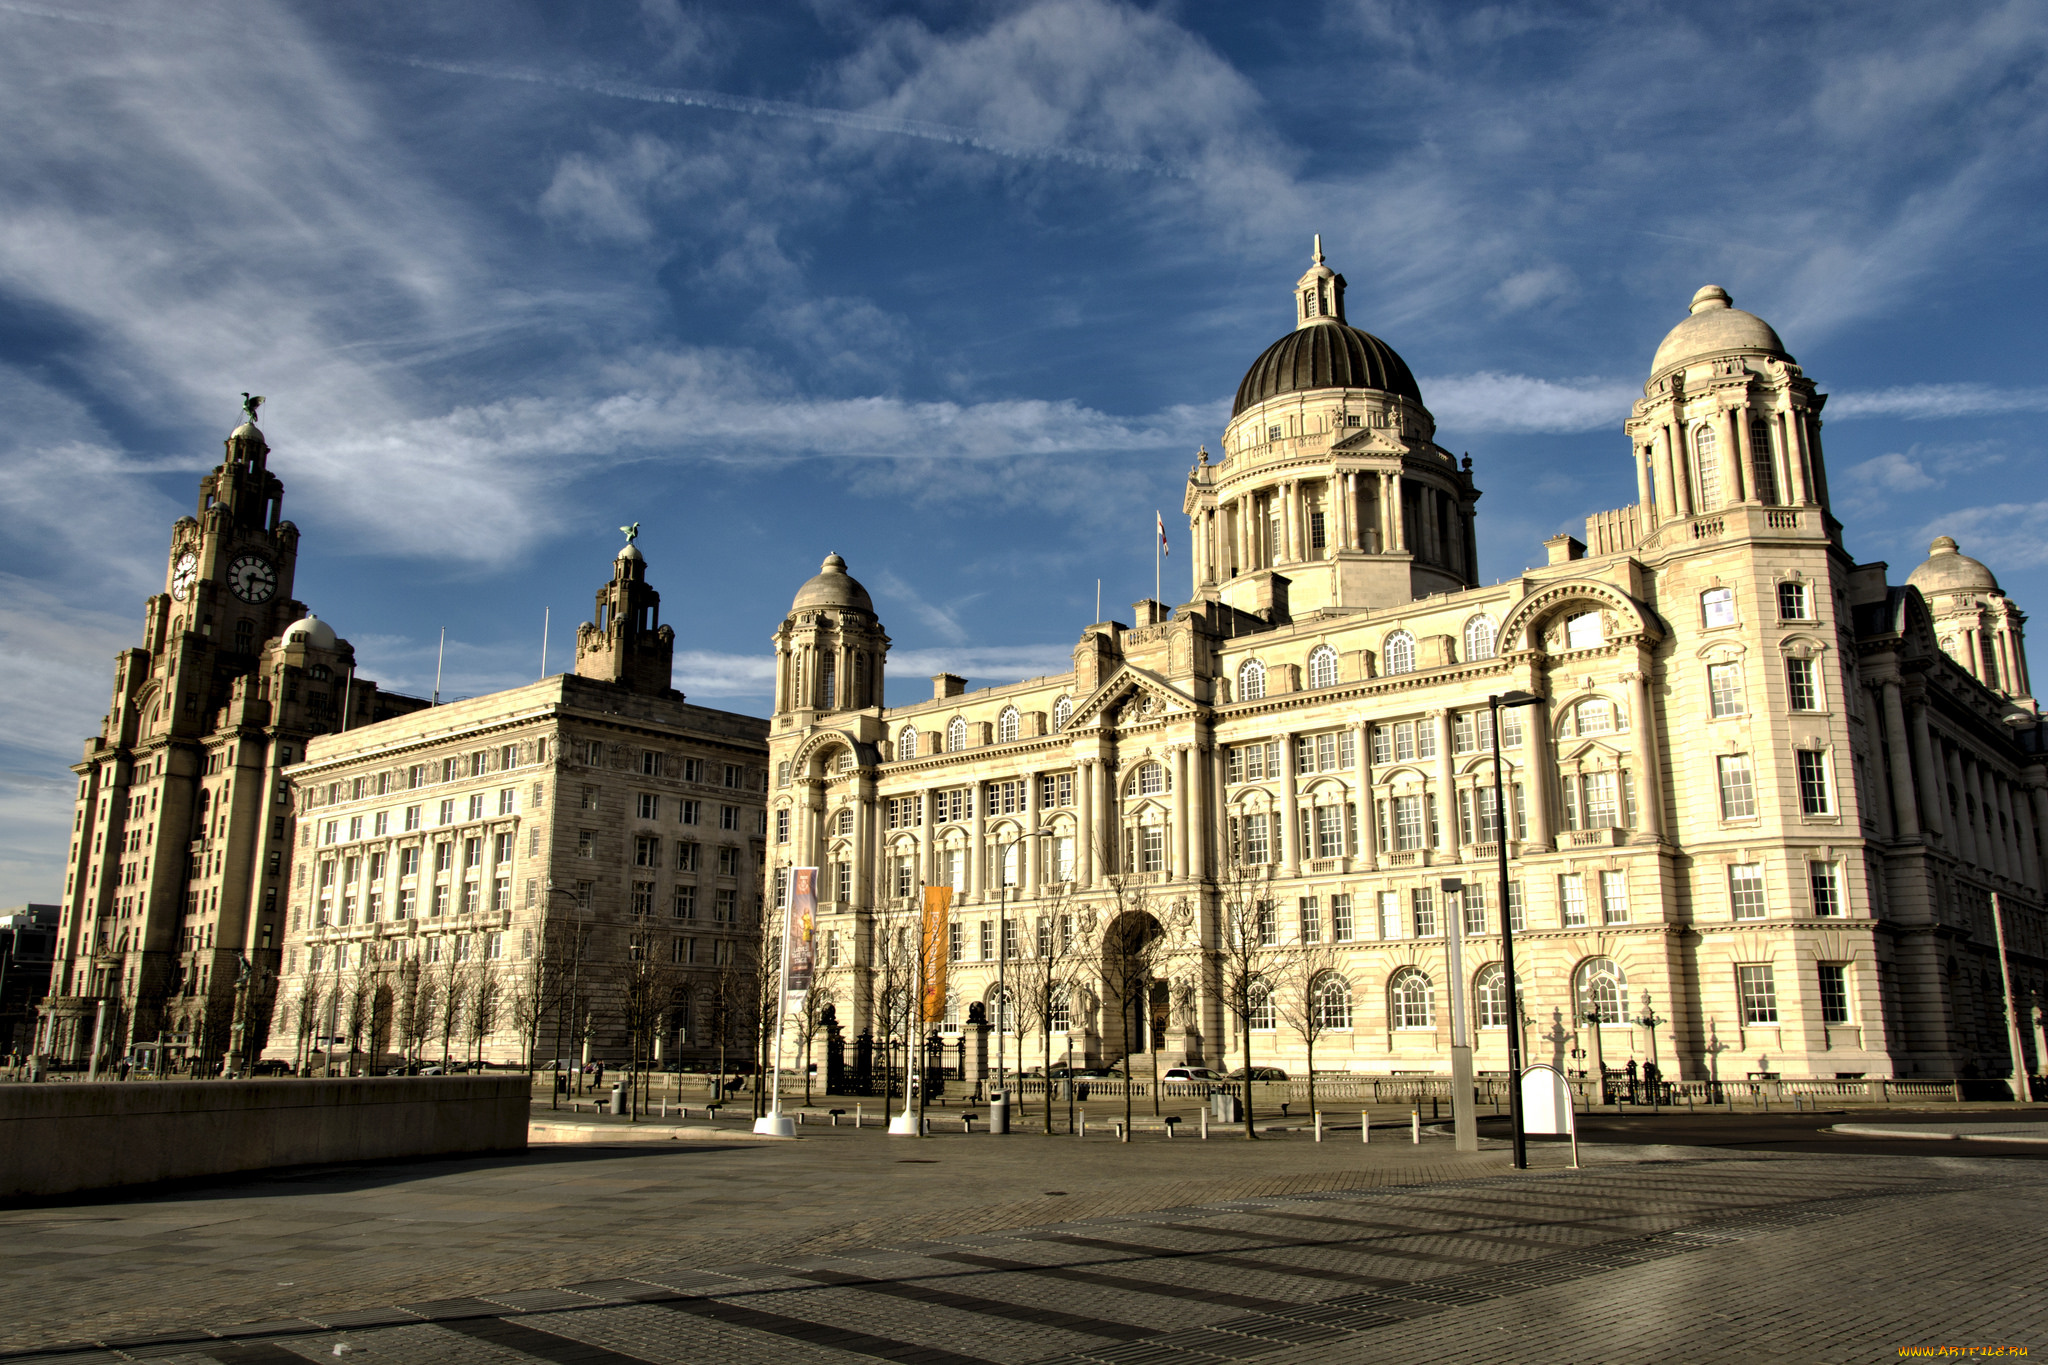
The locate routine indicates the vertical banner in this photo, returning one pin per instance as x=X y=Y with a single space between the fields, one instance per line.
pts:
x=799 y=936
x=938 y=902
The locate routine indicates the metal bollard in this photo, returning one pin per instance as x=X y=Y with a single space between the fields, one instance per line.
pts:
x=1365 y=1126
x=1083 y=1130
x=1204 y=1112
x=1319 y=1125
x=1122 y=1134
x=857 y=1115
x=1415 y=1125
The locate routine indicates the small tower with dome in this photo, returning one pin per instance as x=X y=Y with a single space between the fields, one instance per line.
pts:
x=1978 y=625
x=625 y=641
x=831 y=650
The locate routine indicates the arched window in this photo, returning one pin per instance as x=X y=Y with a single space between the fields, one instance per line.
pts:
x=1399 y=652
x=1490 y=997
x=1062 y=712
x=1261 y=1017
x=906 y=743
x=956 y=735
x=1332 y=1002
x=1479 y=638
x=1706 y=463
x=1717 y=607
x=1594 y=716
x=1413 y=999
x=1251 y=680
x=1322 y=667
x=843 y=824
x=1149 y=780
x=1763 y=465
x=1007 y=724
x=1600 y=985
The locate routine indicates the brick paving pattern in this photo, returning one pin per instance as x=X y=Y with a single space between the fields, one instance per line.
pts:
x=1149 y=1258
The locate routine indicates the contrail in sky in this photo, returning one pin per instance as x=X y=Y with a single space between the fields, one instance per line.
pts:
x=699 y=99
x=806 y=113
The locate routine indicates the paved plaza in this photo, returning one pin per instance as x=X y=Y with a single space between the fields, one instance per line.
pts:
x=849 y=1245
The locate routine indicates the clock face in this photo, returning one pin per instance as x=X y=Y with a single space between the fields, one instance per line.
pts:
x=252 y=578
x=182 y=574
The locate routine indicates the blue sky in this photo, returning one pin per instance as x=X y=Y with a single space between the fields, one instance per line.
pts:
x=954 y=289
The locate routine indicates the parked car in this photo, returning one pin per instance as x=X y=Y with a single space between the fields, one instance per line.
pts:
x=271 y=1067
x=1194 y=1073
x=1260 y=1073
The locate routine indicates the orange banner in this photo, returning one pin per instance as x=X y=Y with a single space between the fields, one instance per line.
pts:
x=938 y=905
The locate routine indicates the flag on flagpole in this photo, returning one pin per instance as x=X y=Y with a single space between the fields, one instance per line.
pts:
x=1165 y=546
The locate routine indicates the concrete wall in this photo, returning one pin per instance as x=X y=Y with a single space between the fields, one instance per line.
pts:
x=61 y=1137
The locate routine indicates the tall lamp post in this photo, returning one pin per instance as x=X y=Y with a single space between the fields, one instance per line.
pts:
x=1494 y=704
x=1650 y=1020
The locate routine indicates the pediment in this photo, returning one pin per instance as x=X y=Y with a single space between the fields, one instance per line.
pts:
x=1130 y=682
x=1371 y=441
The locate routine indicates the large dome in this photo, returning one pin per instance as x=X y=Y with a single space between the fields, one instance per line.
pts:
x=833 y=587
x=1716 y=327
x=1325 y=355
x=1949 y=572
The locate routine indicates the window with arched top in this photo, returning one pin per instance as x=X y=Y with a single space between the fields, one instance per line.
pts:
x=1008 y=725
x=1706 y=464
x=1322 y=667
x=1251 y=680
x=956 y=735
x=1479 y=638
x=1490 y=997
x=1332 y=1002
x=1399 y=652
x=1149 y=780
x=1595 y=716
x=906 y=743
x=1260 y=1014
x=1717 y=607
x=1601 y=985
x=1412 y=999
x=1062 y=712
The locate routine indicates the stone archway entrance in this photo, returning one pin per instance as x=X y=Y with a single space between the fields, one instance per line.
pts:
x=1135 y=1004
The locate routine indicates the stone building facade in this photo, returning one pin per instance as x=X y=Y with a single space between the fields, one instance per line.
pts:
x=170 y=933
x=452 y=842
x=1760 y=810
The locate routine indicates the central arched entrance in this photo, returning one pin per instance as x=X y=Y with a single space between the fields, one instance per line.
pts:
x=1136 y=1000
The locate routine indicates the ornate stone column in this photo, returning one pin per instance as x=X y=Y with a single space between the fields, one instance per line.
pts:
x=1738 y=453
x=1649 y=753
x=1643 y=485
x=1536 y=781
x=1290 y=810
x=1179 y=771
x=1368 y=815
x=1931 y=817
x=1904 y=808
x=977 y=855
x=1446 y=780
x=1085 y=821
x=1681 y=464
x=1397 y=510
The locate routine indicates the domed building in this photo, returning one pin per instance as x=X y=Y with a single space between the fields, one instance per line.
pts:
x=1754 y=816
x=1978 y=624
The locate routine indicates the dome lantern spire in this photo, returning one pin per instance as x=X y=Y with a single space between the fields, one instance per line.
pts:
x=1319 y=294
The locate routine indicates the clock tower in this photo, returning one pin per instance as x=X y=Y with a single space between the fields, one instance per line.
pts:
x=169 y=935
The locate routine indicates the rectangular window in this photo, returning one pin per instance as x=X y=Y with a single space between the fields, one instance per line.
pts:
x=1153 y=839
x=1422 y=900
x=1834 y=993
x=448 y=811
x=1602 y=805
x=732 y=775
x=1266 y=922
x=685 y=902
x=1826 y=880
x=728 y=817
x=412 y=818
x=589 y=797
x=505 y=801
x=1724 y=690
x=501 y=894
x=1340 y=918
x=476 y=806
x=1311 y=912
x=842 y=879
x=725 y=907
x=1802 y=685
x=508 y=756
x=408 y=903
x=441 y=898
x=905 y=875
x=1474 y=898
x=501 y=848
x=408 y=861
x=451 y=769
x=689 y=813
x=1257 y=848
x=1518 y=909
x=1329 y=831
x=1738 y=787
x=1571 y=900
x=649 y=806
x=1409 y=830
x=956 y=942
x=781 y=826
x=686 y=857
x=1614 y=898
x=1793 y=603
x=416 y=776
x=650 y=763
x=1816 y=795
x=380 y=823
x=1759 y=994
x=643 y=898
x=1390 y=914
x=1746 y=890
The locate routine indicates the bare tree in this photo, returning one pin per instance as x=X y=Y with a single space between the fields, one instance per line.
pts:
x=1047 y=978
x=482 y=993
x=1126 y=955
x=1306 y=968
x=417 y=1006
x=645 y=1001
x=450 y=987
x=810 y=1020
x=1246 y=935
x=305 y=1018
x=360 y=995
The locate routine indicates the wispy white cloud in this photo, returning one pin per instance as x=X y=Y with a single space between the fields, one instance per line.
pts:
x=2006 y=535
x=1924 y=402
x=1490 y=401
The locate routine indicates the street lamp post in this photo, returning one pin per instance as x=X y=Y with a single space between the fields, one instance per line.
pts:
x=1650 y=1020
x=1494 y=704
